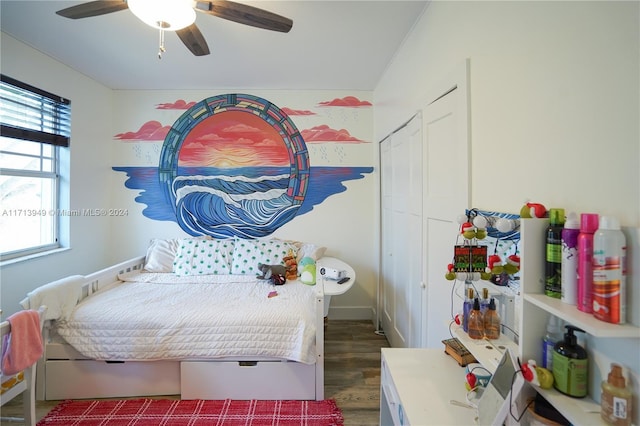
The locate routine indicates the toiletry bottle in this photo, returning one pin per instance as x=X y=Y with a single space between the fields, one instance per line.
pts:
x=484 y=301
x=570 y=365
x=492 y=321
x=476 y=324
x=588 y=225
x=553 y=265
x=569 y=278
x=609 y=272
x=553 y=336
x=467 y=305
x=615 y=399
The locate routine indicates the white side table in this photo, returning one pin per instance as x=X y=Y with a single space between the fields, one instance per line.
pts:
x=331 y=287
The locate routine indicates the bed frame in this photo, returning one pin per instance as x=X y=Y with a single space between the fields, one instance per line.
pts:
x=64 y=373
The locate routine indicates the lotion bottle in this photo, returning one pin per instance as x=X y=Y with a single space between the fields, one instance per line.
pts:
x=616 y=399
x=570 y=365
x=553 y=336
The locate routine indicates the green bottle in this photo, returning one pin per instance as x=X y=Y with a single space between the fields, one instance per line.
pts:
x=553 y=265
x=570 y=365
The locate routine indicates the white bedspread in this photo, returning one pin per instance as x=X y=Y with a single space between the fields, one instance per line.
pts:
x=154 y=316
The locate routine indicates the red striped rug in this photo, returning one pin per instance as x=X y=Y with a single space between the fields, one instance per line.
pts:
x=154 y=412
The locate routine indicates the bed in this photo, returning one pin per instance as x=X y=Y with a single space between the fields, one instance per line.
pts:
x=190 y=318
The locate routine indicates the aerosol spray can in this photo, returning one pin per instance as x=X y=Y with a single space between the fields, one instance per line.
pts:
x=609 y=272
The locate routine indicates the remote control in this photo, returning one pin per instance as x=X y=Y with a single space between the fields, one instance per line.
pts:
x=343 y=280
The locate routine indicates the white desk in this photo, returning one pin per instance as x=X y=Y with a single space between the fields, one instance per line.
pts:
x=416 y=388
x=331 y=287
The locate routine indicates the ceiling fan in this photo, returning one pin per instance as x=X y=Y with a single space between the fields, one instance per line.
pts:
x=179 y=16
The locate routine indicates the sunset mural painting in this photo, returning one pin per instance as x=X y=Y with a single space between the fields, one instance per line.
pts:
x=233 y=165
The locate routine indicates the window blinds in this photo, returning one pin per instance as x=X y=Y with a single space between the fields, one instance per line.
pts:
x=29 y=113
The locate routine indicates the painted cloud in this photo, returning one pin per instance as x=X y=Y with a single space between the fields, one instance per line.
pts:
x=324 y=133
x=150 y=131
x=179 y=104
x=347 y=101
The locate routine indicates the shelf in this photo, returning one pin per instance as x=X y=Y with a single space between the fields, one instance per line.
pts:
x=579 y=411
x=487 y=352
x=587 y=322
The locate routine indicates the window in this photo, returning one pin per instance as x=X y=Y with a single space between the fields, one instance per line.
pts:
x=34 y=126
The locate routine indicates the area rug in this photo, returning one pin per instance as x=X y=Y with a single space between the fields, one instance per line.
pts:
x=154 y=412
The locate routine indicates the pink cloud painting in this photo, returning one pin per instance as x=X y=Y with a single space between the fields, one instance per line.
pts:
x=347 y=101
x=290 y=111
x=324 y=133
x=150 y=131
x=179 y=104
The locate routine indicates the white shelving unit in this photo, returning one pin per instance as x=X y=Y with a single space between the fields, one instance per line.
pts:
x=536 y=309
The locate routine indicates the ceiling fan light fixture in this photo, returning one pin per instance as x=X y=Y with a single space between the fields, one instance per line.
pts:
x=169 y=15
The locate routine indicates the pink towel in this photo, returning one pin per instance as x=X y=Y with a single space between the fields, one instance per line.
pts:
x=23 y=346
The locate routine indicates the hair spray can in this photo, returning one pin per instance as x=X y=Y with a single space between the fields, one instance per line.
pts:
x=570 y=234
x=609 y=272
x=588 y=225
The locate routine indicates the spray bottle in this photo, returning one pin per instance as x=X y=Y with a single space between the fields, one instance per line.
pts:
x=588 y=225
x=553 y=268
x=609 y=272
x=570 y=234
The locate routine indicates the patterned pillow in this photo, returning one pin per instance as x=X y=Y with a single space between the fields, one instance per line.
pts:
x=196 y=256
x=248 y=253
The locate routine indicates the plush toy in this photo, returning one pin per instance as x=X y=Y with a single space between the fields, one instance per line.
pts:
x=494 y=264
x=531 y=210
x=291 y=266
x=512 y=265
x=267 y=271
x=307 y=268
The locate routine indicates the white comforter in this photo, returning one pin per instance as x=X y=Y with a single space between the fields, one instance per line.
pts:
x=154 y=316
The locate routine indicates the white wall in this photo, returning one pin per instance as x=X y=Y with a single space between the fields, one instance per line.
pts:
x=554 y=90
x=90 y=174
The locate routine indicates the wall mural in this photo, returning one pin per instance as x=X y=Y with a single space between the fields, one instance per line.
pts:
x=237 y=165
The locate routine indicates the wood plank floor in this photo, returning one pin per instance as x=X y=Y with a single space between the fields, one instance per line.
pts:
x=352 y=374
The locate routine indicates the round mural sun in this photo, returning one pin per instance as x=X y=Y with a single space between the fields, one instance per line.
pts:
x=234 y=165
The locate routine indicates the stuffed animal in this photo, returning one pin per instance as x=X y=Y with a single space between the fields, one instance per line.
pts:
x=267 y=271
x=291 y=266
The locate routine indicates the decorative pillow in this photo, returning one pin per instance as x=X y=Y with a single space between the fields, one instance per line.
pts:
x=248 y=253
x=160 y=255
x=196 y=256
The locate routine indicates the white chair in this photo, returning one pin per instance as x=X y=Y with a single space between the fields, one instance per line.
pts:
x=21 y=383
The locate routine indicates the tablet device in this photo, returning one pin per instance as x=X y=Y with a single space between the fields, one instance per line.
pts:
x=493 y=406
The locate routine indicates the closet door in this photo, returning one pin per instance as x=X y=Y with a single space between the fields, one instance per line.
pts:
x=401 y=268
x=446 y=196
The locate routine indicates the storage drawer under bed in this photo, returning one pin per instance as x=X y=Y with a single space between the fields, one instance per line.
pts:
x=78 y=379
x=248 y=380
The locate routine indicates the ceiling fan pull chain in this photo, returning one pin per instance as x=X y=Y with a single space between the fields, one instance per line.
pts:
x=161 y=48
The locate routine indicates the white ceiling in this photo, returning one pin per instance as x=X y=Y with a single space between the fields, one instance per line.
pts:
x=343 y=45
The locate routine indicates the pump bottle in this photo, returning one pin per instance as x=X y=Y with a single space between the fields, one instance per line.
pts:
x=570 y=365
x=616 y=399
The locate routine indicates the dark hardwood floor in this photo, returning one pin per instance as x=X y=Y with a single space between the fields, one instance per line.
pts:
x=352 y=374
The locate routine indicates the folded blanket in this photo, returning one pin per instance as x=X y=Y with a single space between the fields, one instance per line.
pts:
x=60 y=297
x=22 y=347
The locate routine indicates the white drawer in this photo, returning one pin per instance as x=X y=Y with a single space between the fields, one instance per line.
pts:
x=394 y=405
x=247 y=380
x=98 y=379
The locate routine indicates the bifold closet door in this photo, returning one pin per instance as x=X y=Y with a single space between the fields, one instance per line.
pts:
x=401 y=216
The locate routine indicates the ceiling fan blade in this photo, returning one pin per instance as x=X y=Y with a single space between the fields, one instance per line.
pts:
x=245 y=14
x=193 y=39
x=93 y=8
